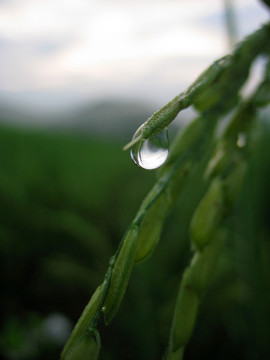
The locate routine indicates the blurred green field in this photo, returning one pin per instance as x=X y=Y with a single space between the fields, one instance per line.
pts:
x=66 y=201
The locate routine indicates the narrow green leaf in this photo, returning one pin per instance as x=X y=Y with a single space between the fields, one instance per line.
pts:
x=204 y=263
x=86 y=347
x=185 y=314
x=86 y=318
x=120 y=274
x=208 y=215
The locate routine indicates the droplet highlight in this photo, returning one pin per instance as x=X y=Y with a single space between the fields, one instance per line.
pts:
x=241 y=140
x=151 y=153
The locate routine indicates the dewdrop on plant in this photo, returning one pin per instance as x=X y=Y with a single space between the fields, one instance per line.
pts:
x=151 y=153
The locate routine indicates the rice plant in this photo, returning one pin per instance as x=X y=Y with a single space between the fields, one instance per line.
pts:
x=215 y=146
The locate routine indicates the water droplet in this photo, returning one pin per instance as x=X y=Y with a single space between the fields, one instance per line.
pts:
x=151 y=153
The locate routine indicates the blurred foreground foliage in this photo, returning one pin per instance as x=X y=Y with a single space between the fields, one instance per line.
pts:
x=65 y=203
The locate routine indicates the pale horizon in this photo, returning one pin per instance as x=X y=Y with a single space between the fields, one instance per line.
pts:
x=56 y=54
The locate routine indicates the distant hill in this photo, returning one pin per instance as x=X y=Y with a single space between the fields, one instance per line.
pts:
x=106 y=118
x=11 y=113
x=109 y=117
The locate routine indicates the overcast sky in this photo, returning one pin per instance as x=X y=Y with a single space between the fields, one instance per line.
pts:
x=56 y=53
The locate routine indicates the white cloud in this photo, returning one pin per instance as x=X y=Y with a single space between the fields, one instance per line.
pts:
x=106 y=44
